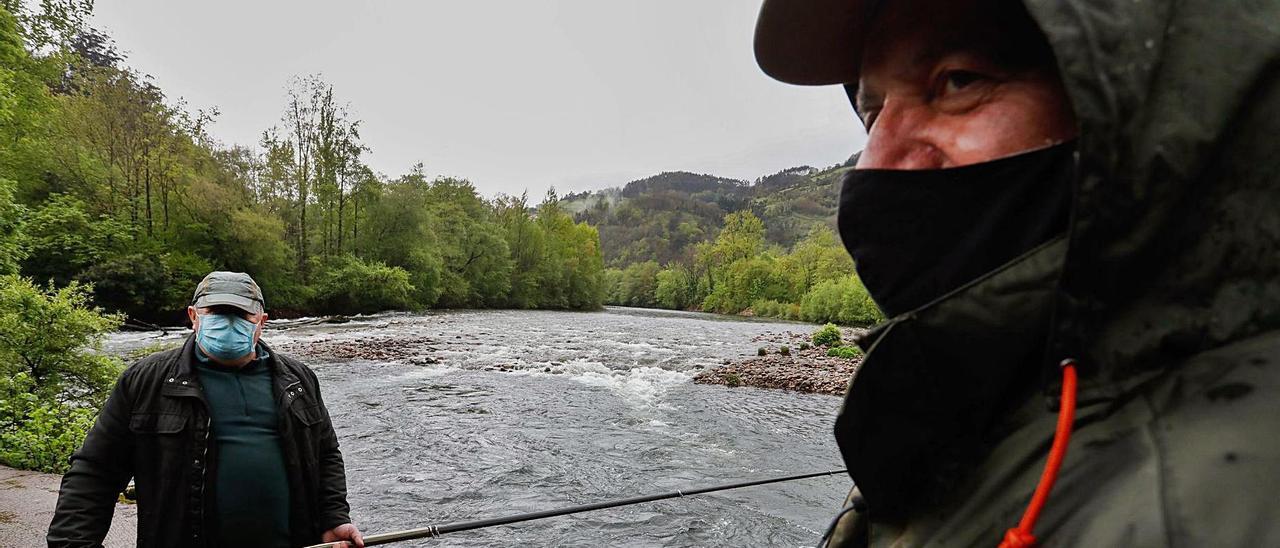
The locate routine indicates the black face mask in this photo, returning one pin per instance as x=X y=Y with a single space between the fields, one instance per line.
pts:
x=916 y=235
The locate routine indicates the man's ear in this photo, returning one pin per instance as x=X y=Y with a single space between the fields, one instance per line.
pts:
x=192 y=317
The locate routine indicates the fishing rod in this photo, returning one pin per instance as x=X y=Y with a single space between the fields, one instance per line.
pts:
x=433 y=531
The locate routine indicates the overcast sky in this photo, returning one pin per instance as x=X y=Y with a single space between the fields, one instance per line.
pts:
x=511 y=95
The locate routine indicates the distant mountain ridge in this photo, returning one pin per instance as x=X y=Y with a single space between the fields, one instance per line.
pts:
x=663 y=216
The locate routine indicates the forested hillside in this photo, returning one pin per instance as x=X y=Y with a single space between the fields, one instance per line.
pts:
x=662 y=217
x=104 y=180
x=697 y=242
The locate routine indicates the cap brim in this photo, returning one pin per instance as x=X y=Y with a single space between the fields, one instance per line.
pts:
x=226 y=299
x=812 y=42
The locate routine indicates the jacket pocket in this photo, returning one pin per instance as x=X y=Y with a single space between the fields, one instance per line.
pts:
x=157 y=423
x=307 y=414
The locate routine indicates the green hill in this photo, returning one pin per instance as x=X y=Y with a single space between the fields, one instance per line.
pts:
x=662 y=217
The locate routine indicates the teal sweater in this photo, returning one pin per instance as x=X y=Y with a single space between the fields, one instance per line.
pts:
x=252 y=486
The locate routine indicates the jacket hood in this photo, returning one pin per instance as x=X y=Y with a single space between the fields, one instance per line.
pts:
x=1174 y=245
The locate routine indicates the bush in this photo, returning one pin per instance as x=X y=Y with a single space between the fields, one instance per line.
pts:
x=847 y=352
x=348 y=285
x=856 y=306
x=53 y=377
x=748 y=281
x=844 y=301
x=827 y=335
x=769 y=308
x=785 y=351
x=762 y=351
x=35 y=434
x=804 y=346
x=639 y=284
x=677 y=288
x=52 y=336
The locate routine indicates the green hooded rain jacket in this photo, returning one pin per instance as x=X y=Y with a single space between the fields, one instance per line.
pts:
x=1166 y=290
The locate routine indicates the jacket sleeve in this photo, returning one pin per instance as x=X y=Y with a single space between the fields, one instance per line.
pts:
x=334 y=510
x=100 y=469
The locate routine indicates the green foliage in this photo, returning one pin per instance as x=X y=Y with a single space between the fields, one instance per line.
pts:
x=62 y=239
x=11 y=252
x=762 y=351
x=53 y=376
x=39 y=435
x=857 y=307
x=349 y=285
x=827 y=335
x=611 y=285
x=666 y=216
x=677 y=288
x=815 y=282
x=747 y=281
x=843 y=300
x=44 y=333
x=638 y=285
x=785 y=350
x=103 y=180
x=847 y=352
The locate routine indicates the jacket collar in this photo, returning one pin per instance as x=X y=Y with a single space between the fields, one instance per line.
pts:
x=181 y=380
x=938 y=381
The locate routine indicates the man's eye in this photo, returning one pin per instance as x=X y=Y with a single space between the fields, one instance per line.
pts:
x=869 y=118
x=958 y=80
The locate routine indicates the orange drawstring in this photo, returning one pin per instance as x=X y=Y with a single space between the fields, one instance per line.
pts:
x=1021 y=536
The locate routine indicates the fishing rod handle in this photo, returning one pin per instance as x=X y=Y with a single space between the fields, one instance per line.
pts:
x=382 y=538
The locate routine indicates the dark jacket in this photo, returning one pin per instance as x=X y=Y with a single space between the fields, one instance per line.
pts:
x=155 y=428
x=1166 y=290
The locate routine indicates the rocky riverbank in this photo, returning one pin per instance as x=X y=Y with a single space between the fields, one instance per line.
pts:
x=803 y=368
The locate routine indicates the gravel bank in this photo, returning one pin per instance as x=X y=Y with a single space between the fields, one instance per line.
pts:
x=809 y=370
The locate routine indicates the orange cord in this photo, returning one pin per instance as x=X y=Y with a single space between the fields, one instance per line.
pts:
x=1021 y=536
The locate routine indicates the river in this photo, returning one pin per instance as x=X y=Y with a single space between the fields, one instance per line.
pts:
x=596 y=406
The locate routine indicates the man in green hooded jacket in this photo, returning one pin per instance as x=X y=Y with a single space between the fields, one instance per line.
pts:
x=1090 y=182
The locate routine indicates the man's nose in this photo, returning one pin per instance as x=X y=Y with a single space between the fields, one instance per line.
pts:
x=898 y=140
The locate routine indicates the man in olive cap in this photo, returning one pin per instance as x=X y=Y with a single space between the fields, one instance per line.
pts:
x=228 y=441
x=1052 y=188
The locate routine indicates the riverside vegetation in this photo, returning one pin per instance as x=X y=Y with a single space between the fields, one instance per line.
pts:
x=109 y=183
x=115 y=201
x=739 y=273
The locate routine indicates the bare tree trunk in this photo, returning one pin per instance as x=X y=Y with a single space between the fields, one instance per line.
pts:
x=147 y=178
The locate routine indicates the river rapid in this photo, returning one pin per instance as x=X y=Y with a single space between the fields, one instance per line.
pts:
x=596 y=406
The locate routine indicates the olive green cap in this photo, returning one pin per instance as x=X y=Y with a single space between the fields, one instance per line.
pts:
x=230 y=289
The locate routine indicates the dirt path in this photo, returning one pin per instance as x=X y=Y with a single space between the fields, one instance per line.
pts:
x=26 y=506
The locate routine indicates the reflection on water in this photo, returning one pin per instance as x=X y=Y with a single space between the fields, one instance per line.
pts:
x=597 y=406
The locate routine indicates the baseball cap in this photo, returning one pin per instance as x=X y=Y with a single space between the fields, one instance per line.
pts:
x=229 y=288
x=813 y=42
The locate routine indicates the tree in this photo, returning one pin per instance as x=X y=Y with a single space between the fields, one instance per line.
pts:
x=527 y=242
x=742 y=237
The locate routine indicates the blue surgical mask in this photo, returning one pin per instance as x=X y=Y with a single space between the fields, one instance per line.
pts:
x=226 y=336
